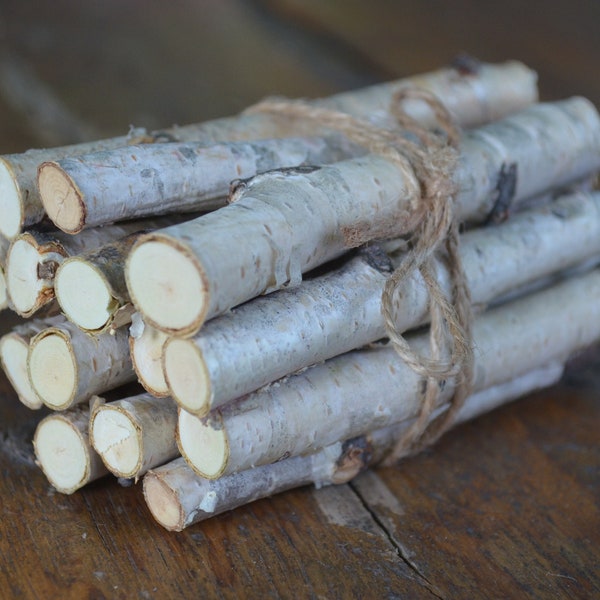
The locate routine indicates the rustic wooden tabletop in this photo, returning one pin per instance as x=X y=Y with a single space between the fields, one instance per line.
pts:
x=505 y=506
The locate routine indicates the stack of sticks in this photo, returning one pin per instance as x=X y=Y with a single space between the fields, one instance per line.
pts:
x=251 y=313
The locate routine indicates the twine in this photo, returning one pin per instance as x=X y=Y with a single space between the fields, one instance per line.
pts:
x=432 y=158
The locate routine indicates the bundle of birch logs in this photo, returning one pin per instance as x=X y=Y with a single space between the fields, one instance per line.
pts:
x=236 y=267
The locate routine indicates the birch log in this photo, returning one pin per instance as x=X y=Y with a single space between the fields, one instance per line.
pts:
x=263 y=340
x=146 y=347
x=14 y=348
x=134 y=434
x=34 y=257
x=361 y=391
x=152 y=179
x=67 y=366
x=490 y=92
x=177 y=497
x=288 y=223
x=63 y=450
x=90 y=287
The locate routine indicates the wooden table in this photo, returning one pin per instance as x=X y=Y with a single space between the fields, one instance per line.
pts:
x=503 y=507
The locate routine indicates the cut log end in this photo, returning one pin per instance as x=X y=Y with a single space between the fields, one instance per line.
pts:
x=118 y=441
x=11 y=207
x=167 y=285
x=53 y=368
x=187 y=376
x=61 y=198
x=204 y=445
x=84 y=295
x=163 y=502
x=146 y=355
x=26 y=289
x=62 y=454
x=13 y=356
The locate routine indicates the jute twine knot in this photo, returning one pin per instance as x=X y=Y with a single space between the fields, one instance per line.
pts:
x=432 y=157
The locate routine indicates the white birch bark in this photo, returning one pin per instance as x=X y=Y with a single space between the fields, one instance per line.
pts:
x=272 y=336
x=361 y=391
x=288 y=223
x=146 y=347
x=34 y=257
x=134 y=434
x=177 y=497
x=67 y=366
x=491 y=92
x=14 y=348
x=63 y=450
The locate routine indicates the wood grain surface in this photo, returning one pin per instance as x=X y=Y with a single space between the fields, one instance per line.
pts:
x=506 y=506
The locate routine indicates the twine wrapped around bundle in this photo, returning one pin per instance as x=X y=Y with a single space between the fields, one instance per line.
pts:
x=432 y=157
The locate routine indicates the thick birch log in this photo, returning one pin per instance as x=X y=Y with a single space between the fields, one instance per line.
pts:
x=272 y=336
x=14 y=348
x=34 y=257
x=146 y=347
x=152 y=179
x=491 y=92
x=361 y=391
x=134 y=434
x=177 y=497
x=288 y=223
x=63 y=450
x=67 y=366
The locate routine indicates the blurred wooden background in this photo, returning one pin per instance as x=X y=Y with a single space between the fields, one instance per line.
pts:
x=507 y=506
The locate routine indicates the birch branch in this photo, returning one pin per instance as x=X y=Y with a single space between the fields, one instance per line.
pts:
x=152 y=179
x=134 y=434
x=491 y=92
x=14 y=347
x=34 y=257
x=272 y=336
x=67 y=366
x=288 y=223
x=366 y=390
x=90 y=286
x=63 y=450
x=146 y=347
x=177 y=497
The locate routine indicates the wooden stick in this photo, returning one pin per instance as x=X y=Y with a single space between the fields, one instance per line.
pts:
x=146 y=347
x=34 y=257
x=14 y=348
x=90 y=287
x=63 y=451
x=152 y=179
x=20 y=203
x=134 y=434
x=288 y=223
x=177 y=497
x=263 y=340
x=490 y=92
x=365 y=390
x=67 y=366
